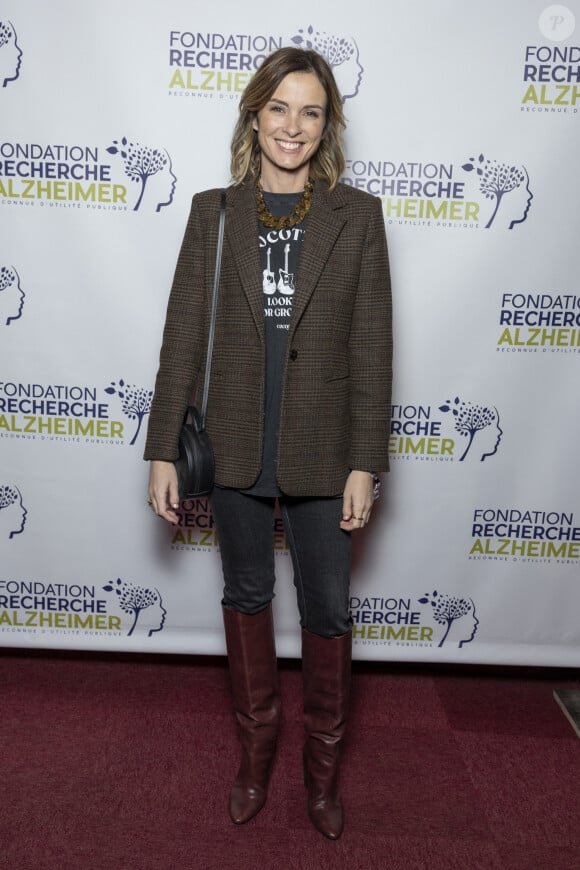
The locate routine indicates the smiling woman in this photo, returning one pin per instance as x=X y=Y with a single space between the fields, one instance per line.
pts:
x=290 y=128
x=298 y=408
x=300 y=67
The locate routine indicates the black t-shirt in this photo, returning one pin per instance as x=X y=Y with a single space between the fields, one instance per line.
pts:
x=280 y=252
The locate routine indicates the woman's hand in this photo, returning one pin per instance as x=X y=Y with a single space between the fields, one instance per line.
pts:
x=357 y=500
x=163 y=494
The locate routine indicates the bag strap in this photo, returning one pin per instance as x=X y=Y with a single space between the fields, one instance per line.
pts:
x=216 y=281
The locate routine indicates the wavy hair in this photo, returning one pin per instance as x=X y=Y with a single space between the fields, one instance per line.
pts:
x=328 y=163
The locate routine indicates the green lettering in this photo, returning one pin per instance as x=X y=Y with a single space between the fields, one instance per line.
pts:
x=177 y=80
x=505 y=337
x=530 y=95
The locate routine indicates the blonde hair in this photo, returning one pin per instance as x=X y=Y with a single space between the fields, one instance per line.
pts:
x=328 y=163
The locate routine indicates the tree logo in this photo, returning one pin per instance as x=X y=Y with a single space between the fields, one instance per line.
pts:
x=11 y=295
x=10 y=54
x=456 y=614
x=12 y=512
x=475 y=420
x=141 y=163
x=497 y=180
x=135 y=402
x=142 y=603
x=341 y=52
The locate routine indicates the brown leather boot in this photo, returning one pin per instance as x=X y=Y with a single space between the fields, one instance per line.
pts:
x=256 y=698
x=326 y=675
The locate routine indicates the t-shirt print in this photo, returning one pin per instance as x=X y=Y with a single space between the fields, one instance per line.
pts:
x=285 y=283
x=280 y=253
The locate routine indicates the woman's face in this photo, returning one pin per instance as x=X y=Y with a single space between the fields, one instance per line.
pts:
x=290 y=128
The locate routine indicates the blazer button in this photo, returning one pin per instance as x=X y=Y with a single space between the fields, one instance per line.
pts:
x=293 y=354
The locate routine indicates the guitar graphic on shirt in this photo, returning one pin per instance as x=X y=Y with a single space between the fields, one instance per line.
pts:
x=268 y=277
x=286 y=280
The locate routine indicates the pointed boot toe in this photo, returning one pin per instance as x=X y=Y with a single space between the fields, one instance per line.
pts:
x=327 y=817
x=245 y=803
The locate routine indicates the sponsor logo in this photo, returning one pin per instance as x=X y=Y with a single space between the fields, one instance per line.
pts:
x=446 y=195
x=421 y=433
x=551 y=70
x=83 y=177
x=520 y=535
x=12 y=512
x=39 y=607
x=140 y=163
x=539 y=323
x=217 y=65
x=392 y=621
x=496 y=180
x=416 y=193
x=456 y=617
x=11 y=296
x=135 y=402
x=75 y=414
x=196 y=528
x=388 y=621
x=10 y=54
x=471 y=421
x=143 y=605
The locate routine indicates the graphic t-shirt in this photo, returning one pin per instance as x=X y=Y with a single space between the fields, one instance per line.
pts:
x=280 y=252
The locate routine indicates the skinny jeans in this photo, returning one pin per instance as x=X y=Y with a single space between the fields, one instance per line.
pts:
x=319 y=548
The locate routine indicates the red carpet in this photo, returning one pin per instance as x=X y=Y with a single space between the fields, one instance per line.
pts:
x=125 y=765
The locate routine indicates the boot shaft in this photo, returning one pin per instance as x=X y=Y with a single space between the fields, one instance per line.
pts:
x=253 y=668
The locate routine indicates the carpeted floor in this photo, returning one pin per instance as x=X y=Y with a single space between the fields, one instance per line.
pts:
x=125 y=765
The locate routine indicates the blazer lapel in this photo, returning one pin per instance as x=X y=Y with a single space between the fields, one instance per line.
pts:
x=325 y=223
x=242 y=237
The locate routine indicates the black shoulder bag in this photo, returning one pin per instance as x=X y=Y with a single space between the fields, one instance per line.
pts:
x=196 y=465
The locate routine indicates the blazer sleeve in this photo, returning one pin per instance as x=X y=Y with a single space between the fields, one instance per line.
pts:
x=371 y=352
x=181 y=349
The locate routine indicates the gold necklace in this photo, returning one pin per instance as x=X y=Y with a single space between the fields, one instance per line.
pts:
x=301 y=209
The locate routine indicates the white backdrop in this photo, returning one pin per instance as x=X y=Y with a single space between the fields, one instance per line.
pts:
x=465 y=120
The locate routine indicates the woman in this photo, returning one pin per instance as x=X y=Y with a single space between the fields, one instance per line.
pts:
x=298 y=406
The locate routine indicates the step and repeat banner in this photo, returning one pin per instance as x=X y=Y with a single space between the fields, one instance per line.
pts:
x=464 y=119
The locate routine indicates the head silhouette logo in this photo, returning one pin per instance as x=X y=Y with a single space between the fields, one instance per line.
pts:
x=124 y=177
x=457 y=615
x=136 y=402
x=475 y=420
x=12 y=512
x=11 y=296
x=144 y=604
x=10 y=54
x=141 y=163
x=499 y=180
x=341 y=52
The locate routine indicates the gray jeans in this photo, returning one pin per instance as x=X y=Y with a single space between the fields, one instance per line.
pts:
x=320 y=552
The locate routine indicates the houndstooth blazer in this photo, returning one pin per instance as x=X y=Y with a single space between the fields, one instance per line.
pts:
x=336 y=395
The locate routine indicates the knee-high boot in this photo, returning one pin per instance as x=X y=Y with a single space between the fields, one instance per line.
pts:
x=326 y=664
x=256 y=699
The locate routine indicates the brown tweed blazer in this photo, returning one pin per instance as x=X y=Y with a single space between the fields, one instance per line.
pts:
x=337 y=383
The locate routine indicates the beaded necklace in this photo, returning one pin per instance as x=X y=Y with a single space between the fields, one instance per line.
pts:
x=285 y=222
